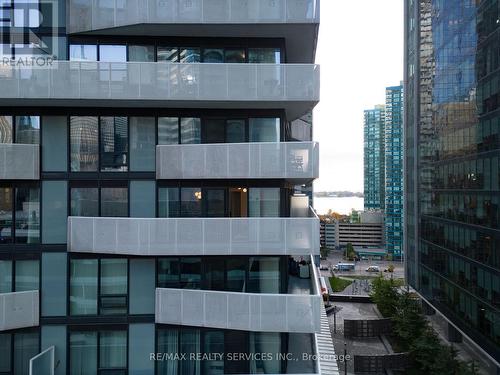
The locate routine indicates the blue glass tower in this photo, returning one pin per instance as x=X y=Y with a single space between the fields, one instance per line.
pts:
x=394 y=171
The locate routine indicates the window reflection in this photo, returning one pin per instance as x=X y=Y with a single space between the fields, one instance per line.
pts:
x=168 y=130
x=85 y=202
x=213 y=55
x=27 y=215
x=114 y=144
x=28 y=129
x=6 y=124
x=82 y=52
x=113 y=53
x=141 y=53
x=84 y=143
x=114 y=202
x=6 y=218
x=264 y=56
x=264 y=129
x=168 y=54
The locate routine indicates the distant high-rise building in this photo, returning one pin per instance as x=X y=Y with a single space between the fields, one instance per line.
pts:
x=452 y=171
x=374 y=156
x=394 y=170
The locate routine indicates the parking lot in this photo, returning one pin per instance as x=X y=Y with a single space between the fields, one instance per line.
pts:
x=336 y=256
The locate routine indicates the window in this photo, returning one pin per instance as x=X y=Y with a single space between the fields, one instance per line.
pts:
x=141 y=53
x=214 y=200
x=236 y=131
x=212 y=55
x=168 y=54
x=142 y=144
x=264 y=275
x=17 y=349
x=19 y=275
x=6 y=129
x=168 y=202
x=191 y=202
x=27 y=226
x=84 y=143
x=168 y=130
x=26 y=202
x=113 y=287
x=264 y=202
x=264 y=129
x=28 y=129
x=98 y=352
x=6 y=219
x=83 y=287
x=93 y=278
x=190 y=130
x=264 y=55
x=113 y=53
x=234 y=56
x=114 y=202
x=179 y=273
x=214 y=130
x=190 y=273
x=82 y=52
x=85 y=201
x=114 y=144
x=189 y=55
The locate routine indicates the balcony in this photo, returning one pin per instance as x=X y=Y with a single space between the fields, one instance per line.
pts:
x=240 y=311
x=19 y=310
x=294 y=88
x=296 y=21
x=296 y=161
x=19 y=161
x=194 y=236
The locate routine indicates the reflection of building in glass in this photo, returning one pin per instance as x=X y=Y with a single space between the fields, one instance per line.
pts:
x=452 y=215
x=394 y=171
x=374 y=156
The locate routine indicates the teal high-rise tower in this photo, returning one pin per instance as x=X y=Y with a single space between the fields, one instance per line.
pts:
x=374 y=156
x=394 y=171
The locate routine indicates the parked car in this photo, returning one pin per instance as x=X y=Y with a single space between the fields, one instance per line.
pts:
x=373 y=269
x=323 y=267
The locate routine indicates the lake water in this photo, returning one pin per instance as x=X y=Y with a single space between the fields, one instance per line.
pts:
x=340 y=205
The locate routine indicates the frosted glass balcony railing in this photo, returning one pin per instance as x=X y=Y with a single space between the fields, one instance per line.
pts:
x=19 y=310
x=19 y=161
x=87 y=15
x=288 y=160
x=183 y=85
x=194 y=236
x=43 y=363
x=240 y=311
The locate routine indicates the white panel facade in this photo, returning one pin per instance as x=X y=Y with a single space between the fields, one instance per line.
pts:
x=19 y=161
x=87 y=15
x=288 y=160
x=19 y=310
x=240 y=311
x=181 y=83
x=194 y=236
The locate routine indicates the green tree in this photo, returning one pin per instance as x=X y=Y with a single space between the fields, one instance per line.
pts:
x=349 y=252
x=385 y=295
x=409 y=322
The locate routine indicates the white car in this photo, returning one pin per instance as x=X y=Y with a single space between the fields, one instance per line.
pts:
x=373 y=269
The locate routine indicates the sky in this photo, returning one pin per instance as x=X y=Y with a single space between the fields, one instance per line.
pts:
x=360 y=50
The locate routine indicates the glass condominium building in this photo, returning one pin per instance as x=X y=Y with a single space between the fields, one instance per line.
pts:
x=452 y=146
x=154 y=181
x=374 y=158
x=394 y=171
